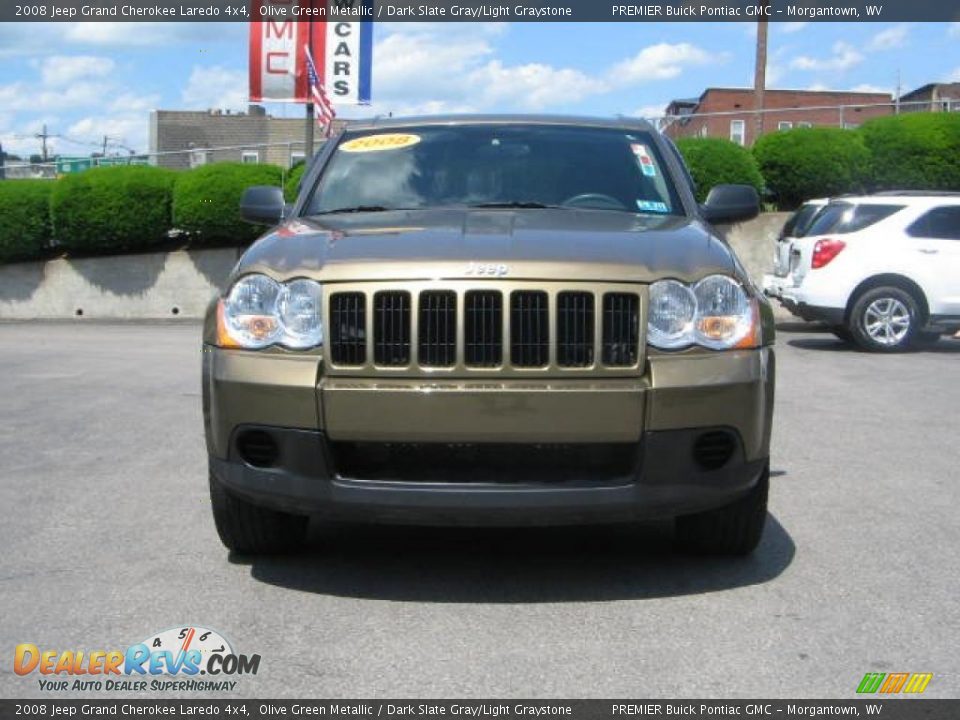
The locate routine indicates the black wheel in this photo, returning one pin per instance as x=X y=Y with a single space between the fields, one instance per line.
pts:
x=842 y=332
x=734 y=529
x=247 y=528
x=885 y=319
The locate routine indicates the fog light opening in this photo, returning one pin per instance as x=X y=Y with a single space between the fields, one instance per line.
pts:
x=713 y=450
x=258 y=448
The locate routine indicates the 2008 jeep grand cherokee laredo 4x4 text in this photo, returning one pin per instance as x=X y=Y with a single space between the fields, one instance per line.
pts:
x=491 y=320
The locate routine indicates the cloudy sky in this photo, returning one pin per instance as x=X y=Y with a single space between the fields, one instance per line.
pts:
x=87 y=80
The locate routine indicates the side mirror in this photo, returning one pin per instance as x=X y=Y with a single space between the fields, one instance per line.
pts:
x=731 y=203
x=262 y=205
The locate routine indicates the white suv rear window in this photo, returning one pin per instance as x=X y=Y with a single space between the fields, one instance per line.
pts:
x=842 y=218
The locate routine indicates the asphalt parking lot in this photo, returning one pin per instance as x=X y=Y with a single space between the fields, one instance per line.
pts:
x=106 y=538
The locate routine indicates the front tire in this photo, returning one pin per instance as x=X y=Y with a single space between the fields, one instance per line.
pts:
x=734 y=529
x=885 y=319
x=247 y=528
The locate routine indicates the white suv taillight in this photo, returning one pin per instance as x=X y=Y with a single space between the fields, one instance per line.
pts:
x=824 y=251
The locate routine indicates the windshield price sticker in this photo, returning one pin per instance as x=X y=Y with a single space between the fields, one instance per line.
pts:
x=377 y=143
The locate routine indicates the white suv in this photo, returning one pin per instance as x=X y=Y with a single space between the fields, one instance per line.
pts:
x=881 y=270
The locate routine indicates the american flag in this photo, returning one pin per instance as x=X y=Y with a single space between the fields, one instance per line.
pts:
x=321 y=103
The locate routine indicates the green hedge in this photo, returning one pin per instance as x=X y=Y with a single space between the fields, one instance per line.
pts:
x=206 y=201
x=292 y=185
x=113 y=208
x=812 y=162
x=914 y=151
x=24 y=218
x=713 y=161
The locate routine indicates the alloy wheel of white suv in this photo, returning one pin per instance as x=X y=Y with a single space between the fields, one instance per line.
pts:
x=884 y=319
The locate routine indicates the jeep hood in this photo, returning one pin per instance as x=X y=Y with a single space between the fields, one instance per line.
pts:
x=441 y=244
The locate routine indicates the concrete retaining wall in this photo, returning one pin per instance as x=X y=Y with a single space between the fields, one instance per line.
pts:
x=149 y=286
x=180 y=284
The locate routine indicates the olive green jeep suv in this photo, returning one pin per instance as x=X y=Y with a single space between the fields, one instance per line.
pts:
x=493 y=321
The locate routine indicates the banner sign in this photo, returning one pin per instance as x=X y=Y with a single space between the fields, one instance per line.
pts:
x=47 y=707
x=342 y=48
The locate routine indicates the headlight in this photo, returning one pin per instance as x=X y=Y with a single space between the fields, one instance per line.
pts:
x=724 y=312
x=673 y=309
x=259 y=312
x=716 y=313
x=299 y=310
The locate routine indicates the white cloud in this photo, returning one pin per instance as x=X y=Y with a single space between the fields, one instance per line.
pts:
x=216 y=87
x=953 y=29
x=844 y=57
x=661 y=62
x=21 y=96
x=123 y=129
x=533 y=86
x=868 y=88
x=889 y=39
x=426 y=66
x=122 y=34
x=61 y=70
x=788 y=28
x=955 y=77
x=650 y=112
x=134 y=102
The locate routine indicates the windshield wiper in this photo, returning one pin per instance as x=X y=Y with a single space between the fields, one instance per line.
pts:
x=522 y=204
x=355 y=209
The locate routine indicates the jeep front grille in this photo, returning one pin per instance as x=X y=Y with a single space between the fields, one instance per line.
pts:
x=391 y=328
x=575 y=339
x=347 y=327
x=438 y=328
x=483 y=328
x=529 y=329
x=506 y=327
x=621 y=326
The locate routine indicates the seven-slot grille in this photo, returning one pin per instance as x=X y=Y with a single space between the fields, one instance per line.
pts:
x=391 y=328
x=438 y=328
x=500 y=328
x=529 y=328
x=348 y=334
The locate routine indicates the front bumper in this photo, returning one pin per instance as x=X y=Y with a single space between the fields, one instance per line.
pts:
x=666 y=482
x=661 y=414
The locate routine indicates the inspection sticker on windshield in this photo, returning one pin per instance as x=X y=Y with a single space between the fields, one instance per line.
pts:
x=646 y=162
x=650 y=206
x=377 y=143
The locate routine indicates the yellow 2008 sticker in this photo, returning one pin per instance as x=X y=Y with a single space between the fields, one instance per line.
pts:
x=376 y=143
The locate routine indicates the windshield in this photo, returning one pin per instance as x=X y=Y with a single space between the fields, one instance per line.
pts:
x=517 y=166
x=842 y=218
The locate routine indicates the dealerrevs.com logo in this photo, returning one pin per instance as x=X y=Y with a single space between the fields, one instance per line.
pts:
x=181 y=653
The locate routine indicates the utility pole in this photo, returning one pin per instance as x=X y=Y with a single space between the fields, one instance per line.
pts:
x=896 y=107
x=760 y=73
x=42 y=136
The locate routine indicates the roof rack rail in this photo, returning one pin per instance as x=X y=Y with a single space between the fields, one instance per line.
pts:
x=917 y=193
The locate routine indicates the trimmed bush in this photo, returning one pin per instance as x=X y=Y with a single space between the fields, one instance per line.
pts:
x=206 y=201
x=914 y=151
x=292 y=185
x=812 y=162
x=112 y=208
x=713 y=161
x=24 y=218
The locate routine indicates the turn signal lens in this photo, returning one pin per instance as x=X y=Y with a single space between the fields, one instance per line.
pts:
x=824 y=251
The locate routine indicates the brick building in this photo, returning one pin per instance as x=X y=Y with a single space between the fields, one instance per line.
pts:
x=728 y=112
x=182 y=139
x=934 y=97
